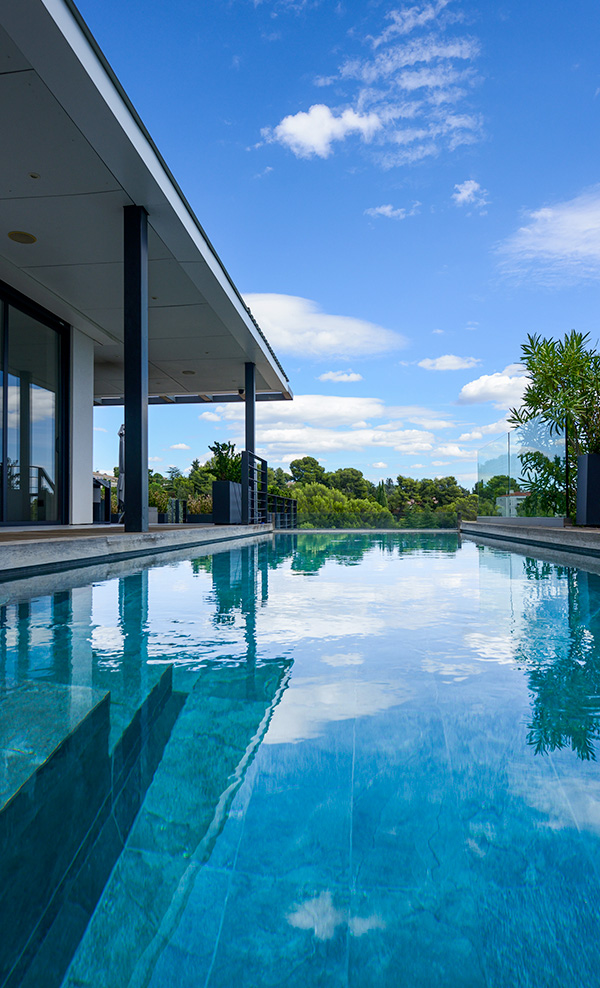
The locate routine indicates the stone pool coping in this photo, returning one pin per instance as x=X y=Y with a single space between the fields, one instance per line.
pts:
x=579 y=541
x=34 y=552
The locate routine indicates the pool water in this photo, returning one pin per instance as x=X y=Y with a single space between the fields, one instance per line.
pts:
x=383 y=772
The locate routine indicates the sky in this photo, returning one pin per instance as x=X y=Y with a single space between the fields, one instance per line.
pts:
x=401 y=193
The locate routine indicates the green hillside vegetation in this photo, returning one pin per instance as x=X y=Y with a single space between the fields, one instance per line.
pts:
x=341 y=498
x=346 y=499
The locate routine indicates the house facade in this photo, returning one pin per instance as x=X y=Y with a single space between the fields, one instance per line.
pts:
x=110 y=290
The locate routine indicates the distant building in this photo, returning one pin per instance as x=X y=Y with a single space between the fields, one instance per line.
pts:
x=508 y=504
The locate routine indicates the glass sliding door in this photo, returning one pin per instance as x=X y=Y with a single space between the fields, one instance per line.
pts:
x=32 y=419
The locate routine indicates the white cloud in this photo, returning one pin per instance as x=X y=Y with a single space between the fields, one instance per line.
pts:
x=210 y=416
x=180 y=446
x=313 y=133
x=340 y=377
x=380 y=465
x=470 y=193
x=296 y=325
x=391 y=213
x=343 y=659
x=437 y=332
x=43 y=405
x=560 y=243
x=305 y=710
x=428 y=52
x=452 y=449
x=408 y=100
x=449 y=362
x=320 y=916
x=495 y=428
x=504 y=389
x=155 y=459
x=286 y=430
x=406 y=20
x=98 y=428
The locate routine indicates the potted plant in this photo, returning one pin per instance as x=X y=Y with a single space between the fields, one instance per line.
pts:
x=564 y=393
x=226 y=465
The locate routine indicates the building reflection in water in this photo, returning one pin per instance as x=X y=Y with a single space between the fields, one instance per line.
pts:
x=103 y=635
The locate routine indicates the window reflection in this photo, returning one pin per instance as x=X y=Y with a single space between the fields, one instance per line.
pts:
x=32 y=420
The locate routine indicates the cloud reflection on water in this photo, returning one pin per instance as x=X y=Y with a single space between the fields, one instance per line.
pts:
x=309 y=704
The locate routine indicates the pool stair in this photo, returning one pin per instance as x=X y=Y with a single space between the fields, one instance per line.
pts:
x=213 y=743
x=68 y=800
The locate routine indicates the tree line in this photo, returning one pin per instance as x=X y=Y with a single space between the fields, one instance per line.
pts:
x=342 y=498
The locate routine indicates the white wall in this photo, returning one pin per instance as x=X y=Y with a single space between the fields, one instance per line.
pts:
x=82 y=427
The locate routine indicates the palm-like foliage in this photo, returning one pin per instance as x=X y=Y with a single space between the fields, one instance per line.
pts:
x=563 y=389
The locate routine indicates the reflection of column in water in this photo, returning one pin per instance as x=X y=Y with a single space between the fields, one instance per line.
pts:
x=249 y=567
x=133 y=615
x=62 y=616
x=263 y=565
x=3 y=645
x=81 y=636
x=23 y=640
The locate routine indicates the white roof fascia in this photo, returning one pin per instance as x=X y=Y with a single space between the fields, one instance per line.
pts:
x=63 y=52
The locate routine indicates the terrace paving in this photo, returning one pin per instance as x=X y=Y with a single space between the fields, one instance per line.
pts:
x=30 y=551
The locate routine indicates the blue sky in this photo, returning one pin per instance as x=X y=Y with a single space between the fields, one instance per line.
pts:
x=401 y=192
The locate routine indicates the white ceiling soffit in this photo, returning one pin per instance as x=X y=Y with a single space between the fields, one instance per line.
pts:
x=78 y=153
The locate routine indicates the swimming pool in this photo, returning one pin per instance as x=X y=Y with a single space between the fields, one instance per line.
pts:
x=382 y=770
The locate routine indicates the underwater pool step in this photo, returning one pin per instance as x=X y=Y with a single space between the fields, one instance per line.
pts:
x=221 y=726
x=68 y=804
x=54 y=742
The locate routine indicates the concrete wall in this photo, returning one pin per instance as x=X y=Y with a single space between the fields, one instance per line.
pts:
x=82 y=427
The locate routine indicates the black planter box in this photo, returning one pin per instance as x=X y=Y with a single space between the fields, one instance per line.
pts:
x=227 y=502
x=588 y=489
x=199 y=519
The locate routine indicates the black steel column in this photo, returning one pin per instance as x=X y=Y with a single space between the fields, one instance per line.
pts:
x=135 y=280
x=250 y=399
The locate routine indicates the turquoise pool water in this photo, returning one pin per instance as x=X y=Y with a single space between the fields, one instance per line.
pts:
x=383 y=772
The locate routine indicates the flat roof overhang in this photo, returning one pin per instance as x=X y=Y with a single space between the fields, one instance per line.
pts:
x=74 y=154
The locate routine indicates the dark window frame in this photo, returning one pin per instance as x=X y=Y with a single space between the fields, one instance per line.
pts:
x=9 y=296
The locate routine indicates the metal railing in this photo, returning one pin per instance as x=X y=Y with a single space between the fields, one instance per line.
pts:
x=254 y=489
x=283 y=511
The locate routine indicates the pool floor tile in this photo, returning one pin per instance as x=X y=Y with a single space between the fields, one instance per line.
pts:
x=545 y=938
x=400 y=939
x=276 y=933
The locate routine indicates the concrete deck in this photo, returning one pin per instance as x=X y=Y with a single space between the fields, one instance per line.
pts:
x=572 y=540
x=34 y=550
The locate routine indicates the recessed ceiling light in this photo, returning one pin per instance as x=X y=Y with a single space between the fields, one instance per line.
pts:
x=20 y=237
x=188 y=372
